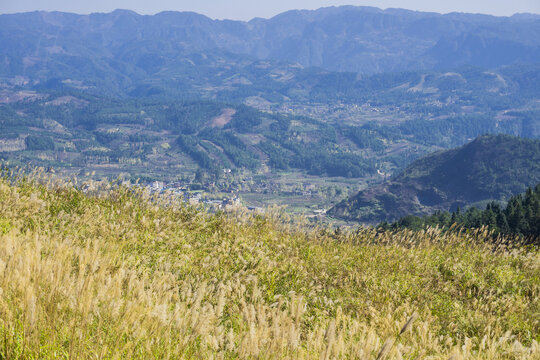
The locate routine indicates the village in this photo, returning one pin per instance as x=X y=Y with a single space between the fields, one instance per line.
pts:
x=198 y=197
x=243 y=193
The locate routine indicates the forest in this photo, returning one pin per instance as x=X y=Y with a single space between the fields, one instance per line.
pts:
x=520 y=216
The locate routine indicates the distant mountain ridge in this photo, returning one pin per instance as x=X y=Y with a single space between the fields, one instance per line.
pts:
x=348 y=38
x=488 y=168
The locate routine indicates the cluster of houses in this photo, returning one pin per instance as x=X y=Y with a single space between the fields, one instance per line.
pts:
x=227 y=204
x=195 y=198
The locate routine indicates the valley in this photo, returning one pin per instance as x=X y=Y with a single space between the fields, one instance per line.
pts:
x=340 y=183
x=213 y=143
x=267 y=124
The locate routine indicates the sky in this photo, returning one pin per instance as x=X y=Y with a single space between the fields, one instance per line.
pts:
x=248 y=9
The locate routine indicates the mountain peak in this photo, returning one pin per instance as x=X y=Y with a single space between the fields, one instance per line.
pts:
x=124 y=12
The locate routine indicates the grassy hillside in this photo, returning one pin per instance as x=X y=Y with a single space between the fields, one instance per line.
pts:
x=488 y=168
x=109 y=273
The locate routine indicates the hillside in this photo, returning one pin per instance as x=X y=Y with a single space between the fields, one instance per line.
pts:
x=115 y=273
x=488 y=168
x=521 y=216
x=162 y=136
x=380 y=122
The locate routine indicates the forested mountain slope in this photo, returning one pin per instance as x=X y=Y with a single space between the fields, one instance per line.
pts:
x=488 y=168
x=167 y=95
x=521 y=216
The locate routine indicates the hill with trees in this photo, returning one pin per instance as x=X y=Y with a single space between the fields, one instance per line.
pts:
x=521 y=216
x=488 y=168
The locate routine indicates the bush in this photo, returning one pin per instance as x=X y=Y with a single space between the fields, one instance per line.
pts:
x=34 y=142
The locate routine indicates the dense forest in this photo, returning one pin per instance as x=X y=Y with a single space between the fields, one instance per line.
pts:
x=520 y=216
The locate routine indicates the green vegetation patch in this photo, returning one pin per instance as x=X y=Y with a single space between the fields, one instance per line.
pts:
x=34 y=142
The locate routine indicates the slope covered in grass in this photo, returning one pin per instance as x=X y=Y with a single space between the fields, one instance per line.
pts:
x=112 y=274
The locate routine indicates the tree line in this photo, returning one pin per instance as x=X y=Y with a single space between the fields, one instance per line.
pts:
x=521 y=216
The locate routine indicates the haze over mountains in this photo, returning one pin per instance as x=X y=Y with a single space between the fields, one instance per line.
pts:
x=356 y=39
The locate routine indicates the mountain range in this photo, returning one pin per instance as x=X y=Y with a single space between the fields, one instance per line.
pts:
x=355 y=39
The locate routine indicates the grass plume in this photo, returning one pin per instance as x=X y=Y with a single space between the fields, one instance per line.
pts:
x=110 y=272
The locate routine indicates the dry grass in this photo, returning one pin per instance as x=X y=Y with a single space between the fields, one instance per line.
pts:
x=117 y=275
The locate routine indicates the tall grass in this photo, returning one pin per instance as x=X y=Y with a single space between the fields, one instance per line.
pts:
x=118 y=273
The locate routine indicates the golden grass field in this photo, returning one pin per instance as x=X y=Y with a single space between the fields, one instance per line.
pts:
x=115 y=275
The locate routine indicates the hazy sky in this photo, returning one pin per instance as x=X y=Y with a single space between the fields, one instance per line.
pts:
x=247 y=9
